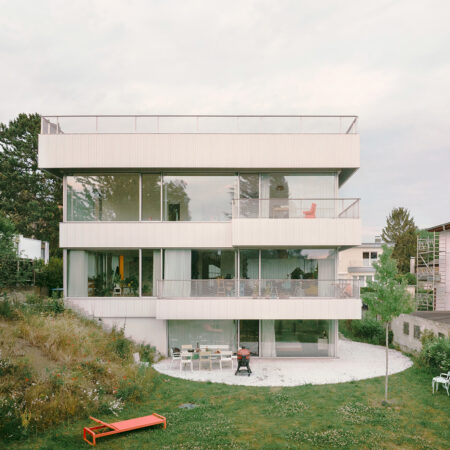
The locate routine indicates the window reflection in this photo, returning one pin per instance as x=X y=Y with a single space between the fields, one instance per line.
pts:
x=198 y=197
x=103 y=197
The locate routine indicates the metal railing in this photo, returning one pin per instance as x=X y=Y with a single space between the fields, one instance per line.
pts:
x=280 y=208
x=244 y=288
x=266 y=124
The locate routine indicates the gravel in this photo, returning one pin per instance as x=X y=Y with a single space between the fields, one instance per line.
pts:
x=357 y=361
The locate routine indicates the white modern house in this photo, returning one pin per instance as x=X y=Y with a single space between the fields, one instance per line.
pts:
x=209 y=229
x=28 y=248
x=356 y=263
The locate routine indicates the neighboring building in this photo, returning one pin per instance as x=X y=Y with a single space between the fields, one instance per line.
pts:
x=33 y=249
x=433 y=269
x=356 y=263
x=209 y=229
x=408 y=328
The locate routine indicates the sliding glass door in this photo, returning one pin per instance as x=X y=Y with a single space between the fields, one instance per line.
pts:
x=249 y=336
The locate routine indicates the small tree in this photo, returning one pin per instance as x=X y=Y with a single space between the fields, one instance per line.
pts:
x=387 y=297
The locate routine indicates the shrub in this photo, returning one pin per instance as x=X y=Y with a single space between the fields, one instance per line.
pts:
x=7 y=308
x=50 y=275
x=119 y=344
x=367 y=330
x=435 y=353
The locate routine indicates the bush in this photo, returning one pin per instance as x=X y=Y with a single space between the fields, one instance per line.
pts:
x=367 y=330
x=435 y=353
x=119 y=344
x=7 y=308
x=50 y=275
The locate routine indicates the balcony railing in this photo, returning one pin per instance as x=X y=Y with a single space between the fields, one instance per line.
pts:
x=310 y=208
x=200 y=124
x=269 y=289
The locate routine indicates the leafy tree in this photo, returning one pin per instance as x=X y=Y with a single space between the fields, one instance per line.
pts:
x=401 y=230
x=29 y=197
x=387 y=298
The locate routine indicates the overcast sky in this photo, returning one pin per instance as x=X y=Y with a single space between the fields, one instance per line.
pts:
x=386 y=61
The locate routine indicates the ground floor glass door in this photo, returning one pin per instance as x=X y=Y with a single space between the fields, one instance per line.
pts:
x=249 y=335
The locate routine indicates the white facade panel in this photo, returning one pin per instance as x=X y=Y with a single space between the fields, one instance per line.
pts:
x=199 y=151
x=145 y=235
x=113 y=306
x=296 y=232
x=265 y=309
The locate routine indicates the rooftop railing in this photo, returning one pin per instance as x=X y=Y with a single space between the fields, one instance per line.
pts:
x=208 y=124
x=245 y=288
x=308 y=208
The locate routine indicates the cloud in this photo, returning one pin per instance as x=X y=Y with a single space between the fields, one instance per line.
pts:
x=387 y=61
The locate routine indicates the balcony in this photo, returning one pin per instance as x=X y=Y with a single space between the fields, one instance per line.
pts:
x=198 y=124
x=199 y=142
x=269 y=289
x=258 y=299
x=312 y=222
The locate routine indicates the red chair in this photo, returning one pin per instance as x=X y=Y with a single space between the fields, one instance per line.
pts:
x=107 y=429
x=310 y=214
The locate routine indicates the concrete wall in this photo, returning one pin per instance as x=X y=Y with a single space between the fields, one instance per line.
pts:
x=147 y=331
x=31 y=248
x=407 y=342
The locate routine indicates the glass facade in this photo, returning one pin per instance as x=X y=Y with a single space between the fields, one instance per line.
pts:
x=151 y=197
x=265 y=338
x=103 y=197
x=198 y=197
x=186 y=197
x=103 y=273
x=202 y=332
x=151 y=271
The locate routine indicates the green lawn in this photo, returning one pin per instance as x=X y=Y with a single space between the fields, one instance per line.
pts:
x=347 y=415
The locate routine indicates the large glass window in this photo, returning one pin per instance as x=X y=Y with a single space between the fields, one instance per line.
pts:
x=315 y=267
x=198 y=197
x=103 y=197
x=151 y=196
x=151 y=271
x=288 y=195
x=202 y=332
x=210 y=264
x=103 y=273
x=297 y=338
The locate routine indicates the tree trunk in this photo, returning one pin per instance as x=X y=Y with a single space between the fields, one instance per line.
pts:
x=387 y=363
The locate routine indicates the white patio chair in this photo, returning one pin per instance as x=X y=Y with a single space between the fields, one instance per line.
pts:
x=137 y=360
x=175 y=356
x=204 y=357
x=226 y=356
x=444 y=379
x=186 y=359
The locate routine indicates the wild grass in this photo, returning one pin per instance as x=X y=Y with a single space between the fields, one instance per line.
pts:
x=57 y=366
x=81 y=370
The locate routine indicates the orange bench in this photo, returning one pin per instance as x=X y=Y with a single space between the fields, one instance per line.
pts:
x=120 y=427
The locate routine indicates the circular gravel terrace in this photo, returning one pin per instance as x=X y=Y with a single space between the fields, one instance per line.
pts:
x=357 y=361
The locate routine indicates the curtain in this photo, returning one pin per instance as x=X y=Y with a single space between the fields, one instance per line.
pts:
x=156 y=271
x=177 y=266
x=202 y=332
x=78 y=273
x=326 y=276
x=268 y=339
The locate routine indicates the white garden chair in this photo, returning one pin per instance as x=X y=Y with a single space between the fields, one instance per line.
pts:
x=225 y=357
x=186 y=360
x=444 y=379
x=175 y=356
